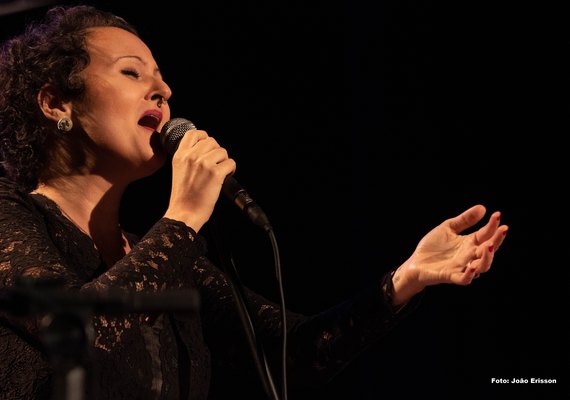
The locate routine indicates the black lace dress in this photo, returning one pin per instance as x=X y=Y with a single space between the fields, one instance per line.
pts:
x=169 y=355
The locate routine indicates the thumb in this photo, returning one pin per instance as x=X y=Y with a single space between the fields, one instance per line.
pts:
x=467 y=218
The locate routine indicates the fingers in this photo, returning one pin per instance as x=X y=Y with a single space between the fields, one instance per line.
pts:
x=490 y=247
x=489 y=238
x=474 y=268
x=500 y=236
x=485 y=252
x=192 y=137
x=197 y=147
x=466 y=219
x=466 y=277
x=485 y=233
x=487 y=241
x=483 y=264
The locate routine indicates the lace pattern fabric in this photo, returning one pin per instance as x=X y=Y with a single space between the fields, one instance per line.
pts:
x=161 y=356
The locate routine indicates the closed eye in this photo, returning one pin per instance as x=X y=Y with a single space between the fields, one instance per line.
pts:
x=131 y=72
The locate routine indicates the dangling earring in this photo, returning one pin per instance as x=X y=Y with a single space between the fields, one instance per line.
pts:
x=64 y=124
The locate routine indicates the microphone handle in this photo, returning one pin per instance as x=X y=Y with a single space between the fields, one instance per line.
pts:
x=239 y=196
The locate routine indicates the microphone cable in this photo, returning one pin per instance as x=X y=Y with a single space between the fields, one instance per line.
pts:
x=245 y=315
x=171 y=134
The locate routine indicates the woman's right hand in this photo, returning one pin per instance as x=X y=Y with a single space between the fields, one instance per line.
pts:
x=199 y=167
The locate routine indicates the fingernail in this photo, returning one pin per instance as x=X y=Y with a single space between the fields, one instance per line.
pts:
x=472 y=270
x=505 y=232
x=491 y=247
x=498 y=217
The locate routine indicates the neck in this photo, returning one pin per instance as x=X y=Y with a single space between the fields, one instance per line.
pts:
x=92 y=203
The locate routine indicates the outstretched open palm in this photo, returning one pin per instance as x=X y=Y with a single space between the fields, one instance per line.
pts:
x=444 y=255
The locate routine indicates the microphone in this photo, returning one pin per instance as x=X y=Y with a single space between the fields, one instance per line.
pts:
x=171 y=134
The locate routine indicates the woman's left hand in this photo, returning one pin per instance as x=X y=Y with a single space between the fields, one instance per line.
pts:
x=444 y=255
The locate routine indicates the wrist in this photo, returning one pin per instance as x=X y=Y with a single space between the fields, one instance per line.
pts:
x=186 y=218
x=404 y=284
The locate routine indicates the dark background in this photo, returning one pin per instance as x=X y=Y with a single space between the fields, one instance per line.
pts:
x=358 y=127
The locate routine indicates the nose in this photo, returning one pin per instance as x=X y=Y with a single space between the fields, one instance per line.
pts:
x=161 y=93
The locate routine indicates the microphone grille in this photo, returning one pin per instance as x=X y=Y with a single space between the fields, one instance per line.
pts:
x=173 y=131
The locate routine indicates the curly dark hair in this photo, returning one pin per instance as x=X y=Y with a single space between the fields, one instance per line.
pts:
x=51 y=51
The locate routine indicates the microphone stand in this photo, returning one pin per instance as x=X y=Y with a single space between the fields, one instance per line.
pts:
x=65 y=325
x=65 y=336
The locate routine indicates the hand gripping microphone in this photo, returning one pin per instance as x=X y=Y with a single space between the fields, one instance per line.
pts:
x=171 y=134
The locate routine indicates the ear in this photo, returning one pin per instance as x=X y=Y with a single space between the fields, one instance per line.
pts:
x=52 y=104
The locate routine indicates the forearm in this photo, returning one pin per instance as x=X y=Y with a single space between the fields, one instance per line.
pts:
x=160 y=261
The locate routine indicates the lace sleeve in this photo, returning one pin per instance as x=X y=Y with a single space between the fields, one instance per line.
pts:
x=30 y=247
x=319 y=346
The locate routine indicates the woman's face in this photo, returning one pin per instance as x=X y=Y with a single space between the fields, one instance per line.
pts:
x=120 y=112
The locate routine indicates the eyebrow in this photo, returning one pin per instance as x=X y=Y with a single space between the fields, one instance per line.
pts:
x=156 y=70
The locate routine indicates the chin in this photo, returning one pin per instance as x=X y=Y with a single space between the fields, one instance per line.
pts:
x=156 y=145
x=147 y=164
x=157 y=156
x=152 y=165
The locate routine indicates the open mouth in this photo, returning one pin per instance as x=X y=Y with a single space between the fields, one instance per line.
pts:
x=150 y=121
